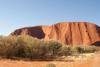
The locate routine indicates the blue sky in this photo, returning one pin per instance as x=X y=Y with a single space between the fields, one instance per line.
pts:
x=20 y=13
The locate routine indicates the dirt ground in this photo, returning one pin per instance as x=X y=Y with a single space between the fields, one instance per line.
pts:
x=93 y=61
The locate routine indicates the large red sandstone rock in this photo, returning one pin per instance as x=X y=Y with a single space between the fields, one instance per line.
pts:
x=76 y=33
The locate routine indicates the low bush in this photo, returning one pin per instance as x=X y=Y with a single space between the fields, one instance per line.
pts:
x=87 y=49
x=65 y=51
x=53 y=48
x=29 y=47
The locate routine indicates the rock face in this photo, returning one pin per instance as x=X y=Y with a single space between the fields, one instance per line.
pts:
x=71 y=33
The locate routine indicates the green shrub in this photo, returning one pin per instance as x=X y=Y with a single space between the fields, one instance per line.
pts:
x=53 y=48
x=87 y=49
x=29 y=47
x=7 y=46
x=65 y=51
x=75 y=50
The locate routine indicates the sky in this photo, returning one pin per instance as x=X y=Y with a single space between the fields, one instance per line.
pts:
x=16 y=14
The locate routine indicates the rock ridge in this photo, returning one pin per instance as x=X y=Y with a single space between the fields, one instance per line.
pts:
x=71 y=33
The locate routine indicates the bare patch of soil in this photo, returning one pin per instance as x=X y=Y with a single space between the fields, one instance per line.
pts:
x=92 y=61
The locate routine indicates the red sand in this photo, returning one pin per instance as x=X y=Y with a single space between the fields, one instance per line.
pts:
x=91 y=62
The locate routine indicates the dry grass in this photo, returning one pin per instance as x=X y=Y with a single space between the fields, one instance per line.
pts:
x=91 y=61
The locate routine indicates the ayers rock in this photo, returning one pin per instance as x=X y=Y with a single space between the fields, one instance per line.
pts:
x=71 y=33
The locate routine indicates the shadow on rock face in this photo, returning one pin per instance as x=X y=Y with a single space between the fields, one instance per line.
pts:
x=97 y=43
x=36 y=32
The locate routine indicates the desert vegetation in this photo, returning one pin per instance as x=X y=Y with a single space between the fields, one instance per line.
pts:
x=25 y=46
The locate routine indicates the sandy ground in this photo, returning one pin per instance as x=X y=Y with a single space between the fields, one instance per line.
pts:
x=93 y=61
